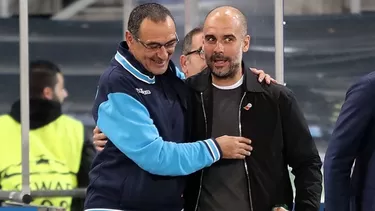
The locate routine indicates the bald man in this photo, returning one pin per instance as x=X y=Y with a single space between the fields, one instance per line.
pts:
x=228 y=100
x=192 y=59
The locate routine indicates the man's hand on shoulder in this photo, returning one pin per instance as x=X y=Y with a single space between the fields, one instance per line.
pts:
x=99 y=139
x=263 y=76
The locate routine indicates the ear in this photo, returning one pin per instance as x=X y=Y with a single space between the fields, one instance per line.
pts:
x=183 y=61
x=129 y=38
x=48 y=93
x=246 y=44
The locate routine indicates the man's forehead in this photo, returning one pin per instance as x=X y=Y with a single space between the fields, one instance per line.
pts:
x=197 y=39
x=157 y=31
x=224 y=14
x=155 y=37
x=221 y=31
x=59 y=79
x=220 y=23
x=60 y=76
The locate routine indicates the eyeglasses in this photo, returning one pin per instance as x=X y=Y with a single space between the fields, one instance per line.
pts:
x=199 y=51
x=156 y=46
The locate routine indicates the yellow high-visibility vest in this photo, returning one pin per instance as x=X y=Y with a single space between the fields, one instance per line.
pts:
x=55 y=157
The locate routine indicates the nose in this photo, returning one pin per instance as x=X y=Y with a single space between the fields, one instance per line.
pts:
x=163 y=53
x=65 y=93
x=219 y=48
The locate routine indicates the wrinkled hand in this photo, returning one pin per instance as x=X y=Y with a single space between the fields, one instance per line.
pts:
x=99 y=139
x=262 y=75
x=234 y=147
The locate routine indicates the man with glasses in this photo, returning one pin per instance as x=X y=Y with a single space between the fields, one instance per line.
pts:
x=142 y=107
x=192 y=59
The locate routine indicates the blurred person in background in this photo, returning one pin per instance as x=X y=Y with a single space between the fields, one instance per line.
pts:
x=192 y=61
x=61 y=152
x=353 y=143
x=227 y=99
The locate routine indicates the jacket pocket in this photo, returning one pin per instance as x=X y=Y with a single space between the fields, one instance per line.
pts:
x=142 y=189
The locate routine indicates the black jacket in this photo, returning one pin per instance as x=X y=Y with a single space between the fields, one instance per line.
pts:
x=43 y=112
x=280 y=137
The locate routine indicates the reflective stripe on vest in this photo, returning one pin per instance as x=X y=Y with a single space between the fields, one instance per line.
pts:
x=55 y=157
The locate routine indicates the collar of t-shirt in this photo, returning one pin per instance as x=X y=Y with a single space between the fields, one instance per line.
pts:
x=233 y=86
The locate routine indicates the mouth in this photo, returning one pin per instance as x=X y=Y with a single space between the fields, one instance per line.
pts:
x=220 y=62
x=159 y=63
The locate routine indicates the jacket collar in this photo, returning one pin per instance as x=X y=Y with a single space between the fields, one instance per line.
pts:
x=42 y=112
x=126 y=59
x=203 y=80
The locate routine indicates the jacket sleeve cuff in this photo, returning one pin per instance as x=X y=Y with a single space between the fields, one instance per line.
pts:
x=214 y=149
x=218 y=148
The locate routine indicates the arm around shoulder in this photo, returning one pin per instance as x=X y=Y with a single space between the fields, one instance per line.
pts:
x=128 y=125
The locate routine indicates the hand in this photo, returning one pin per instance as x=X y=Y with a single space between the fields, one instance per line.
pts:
x=262 y=75
x=234 y=147
x=99 y=139
x=279 y=209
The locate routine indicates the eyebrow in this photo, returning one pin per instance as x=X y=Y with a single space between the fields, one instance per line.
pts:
x=229 y=35
x=225 y=36
x=172 y=40
x=154 y=42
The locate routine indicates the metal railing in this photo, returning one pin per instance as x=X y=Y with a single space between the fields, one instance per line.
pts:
x=15 y=197
x=25 y=196
x=75 y=193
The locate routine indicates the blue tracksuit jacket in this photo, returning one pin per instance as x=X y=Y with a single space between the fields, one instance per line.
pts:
x=145 y=118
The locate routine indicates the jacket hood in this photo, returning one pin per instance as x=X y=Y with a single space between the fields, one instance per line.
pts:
x=42 y=112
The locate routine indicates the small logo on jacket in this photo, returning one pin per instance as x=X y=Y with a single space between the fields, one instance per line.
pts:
x=144 y=92
x=248 y=106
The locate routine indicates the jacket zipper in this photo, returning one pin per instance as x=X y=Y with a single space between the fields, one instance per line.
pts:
x=245 y=164
x=201 y=177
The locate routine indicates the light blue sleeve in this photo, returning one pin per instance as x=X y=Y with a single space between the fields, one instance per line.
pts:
x=127 y=123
